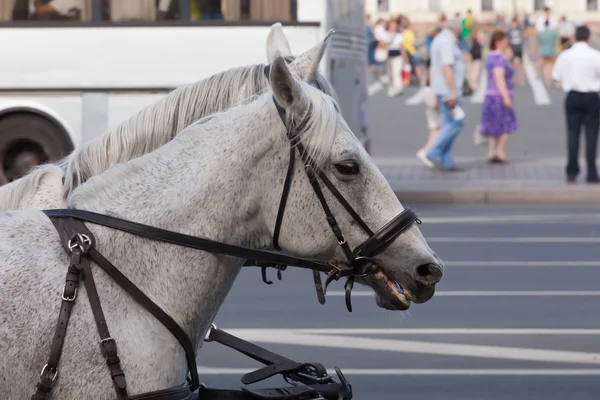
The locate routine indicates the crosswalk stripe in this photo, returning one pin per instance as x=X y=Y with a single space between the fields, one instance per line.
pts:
x=205 y=370
x=417 y=98
x=479 y=95
x=540 y=93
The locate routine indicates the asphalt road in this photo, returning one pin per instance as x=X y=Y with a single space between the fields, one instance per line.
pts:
x=517 y=315
x=398 y=128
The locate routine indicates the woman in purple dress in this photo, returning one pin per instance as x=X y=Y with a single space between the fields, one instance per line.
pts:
x=498 y=119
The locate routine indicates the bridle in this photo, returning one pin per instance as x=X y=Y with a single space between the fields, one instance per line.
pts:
x=359 y=260
x=80 y=244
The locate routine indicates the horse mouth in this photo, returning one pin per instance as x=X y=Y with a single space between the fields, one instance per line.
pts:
x=390 y=293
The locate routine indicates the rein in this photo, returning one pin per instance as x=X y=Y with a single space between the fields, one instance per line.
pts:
x=80 y=244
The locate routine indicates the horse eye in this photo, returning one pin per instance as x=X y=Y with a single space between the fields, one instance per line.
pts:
x=347 y=168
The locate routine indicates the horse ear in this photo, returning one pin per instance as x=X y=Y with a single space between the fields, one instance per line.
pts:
x=277 y=43
x=286 y=90
x=306 y=64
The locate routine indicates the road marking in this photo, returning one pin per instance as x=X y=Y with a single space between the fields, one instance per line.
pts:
x=479 y=95
x=417 y=98
x=374 y=88
x=377 y=85
x=540 y=93
x=204 y=370
x=548 y=239
x=291 y=337
x=569 y=264
x=447 y=331
x=512 y=219
x=486 y=293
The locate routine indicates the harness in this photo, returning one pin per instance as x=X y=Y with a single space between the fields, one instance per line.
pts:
x=81 y=245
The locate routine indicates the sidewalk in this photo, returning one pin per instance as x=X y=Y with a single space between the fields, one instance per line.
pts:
x=524 y=181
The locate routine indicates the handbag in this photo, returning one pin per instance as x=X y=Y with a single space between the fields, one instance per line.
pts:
x=478 y=138
x=381 y=54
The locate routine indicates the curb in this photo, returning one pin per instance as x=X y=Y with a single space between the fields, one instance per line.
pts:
x=560 y=196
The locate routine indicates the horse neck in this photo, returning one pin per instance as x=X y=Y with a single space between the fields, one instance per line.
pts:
x=204 y=183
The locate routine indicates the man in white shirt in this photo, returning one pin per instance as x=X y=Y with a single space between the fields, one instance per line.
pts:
x=577 y=71
x=540 y=24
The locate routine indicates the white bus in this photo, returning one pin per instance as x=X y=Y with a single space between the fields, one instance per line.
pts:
x=71 y=69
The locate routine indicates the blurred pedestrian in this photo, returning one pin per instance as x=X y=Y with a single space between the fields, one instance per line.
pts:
x=577 y=71
x=567 y=31
x=395 y=59
x=374 y=66
x=380 y=54
x=410 y=51
x=447 y=78
x=515 y=37
x=547 y=39
x=546 y=21
x=476 y=56
x=432 y=113
x=498 y=119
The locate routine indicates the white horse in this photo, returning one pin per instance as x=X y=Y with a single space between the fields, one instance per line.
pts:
x=220 y=178
x=155 y=125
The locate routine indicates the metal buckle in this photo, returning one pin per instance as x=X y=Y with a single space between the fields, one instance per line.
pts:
x=206 y=337
x=343 y=242
x=53 y=376
x=107 y=340
x=82 y=239
x=317 y=379
x=69 y=299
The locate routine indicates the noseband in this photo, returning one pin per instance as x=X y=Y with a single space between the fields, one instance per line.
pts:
x=359 y=260
x=80 y=244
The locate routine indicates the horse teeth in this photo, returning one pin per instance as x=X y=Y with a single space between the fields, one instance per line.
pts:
x=398 y=287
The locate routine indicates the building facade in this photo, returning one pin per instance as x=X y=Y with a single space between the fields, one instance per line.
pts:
x=429 y=10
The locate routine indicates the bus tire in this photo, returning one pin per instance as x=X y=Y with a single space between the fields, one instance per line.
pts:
x=27 y=140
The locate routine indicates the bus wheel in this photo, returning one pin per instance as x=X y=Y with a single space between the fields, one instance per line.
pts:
x=27 y=140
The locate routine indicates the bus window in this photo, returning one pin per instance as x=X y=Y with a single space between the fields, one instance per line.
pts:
x=47 y=10
x=146 y=10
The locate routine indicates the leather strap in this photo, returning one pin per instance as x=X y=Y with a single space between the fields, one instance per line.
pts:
x=154 y=309
x=306 y=373
x=108 y=345
x=181 y=392
x=284 y=196
x=76 y=240
x=50 y=370
x=198 y=243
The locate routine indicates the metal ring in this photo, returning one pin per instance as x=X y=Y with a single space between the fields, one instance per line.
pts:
x=343 y=242
x=53 y=376
x=206 y=337
x=82 y=239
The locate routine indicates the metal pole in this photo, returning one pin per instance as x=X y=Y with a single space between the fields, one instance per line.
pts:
x=294 y=10
x=96 y=10
x=185 y=10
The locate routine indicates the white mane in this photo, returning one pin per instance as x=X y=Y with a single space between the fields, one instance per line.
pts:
x=159 y=123
x=149 y=129
x=318 y=135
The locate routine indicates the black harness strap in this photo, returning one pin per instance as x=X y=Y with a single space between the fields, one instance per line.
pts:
x=154 y=309
x=77 y=240
x=82 y=249
x=153 y=233
x=50 y=370
x=286 y=189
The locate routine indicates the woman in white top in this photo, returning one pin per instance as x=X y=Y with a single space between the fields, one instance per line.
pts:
x=567 y=32
x=395 y=59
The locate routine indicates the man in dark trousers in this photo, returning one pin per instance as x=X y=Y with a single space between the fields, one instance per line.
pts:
x=577 y=71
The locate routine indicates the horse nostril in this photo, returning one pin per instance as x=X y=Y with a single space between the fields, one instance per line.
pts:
x=429 y=274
